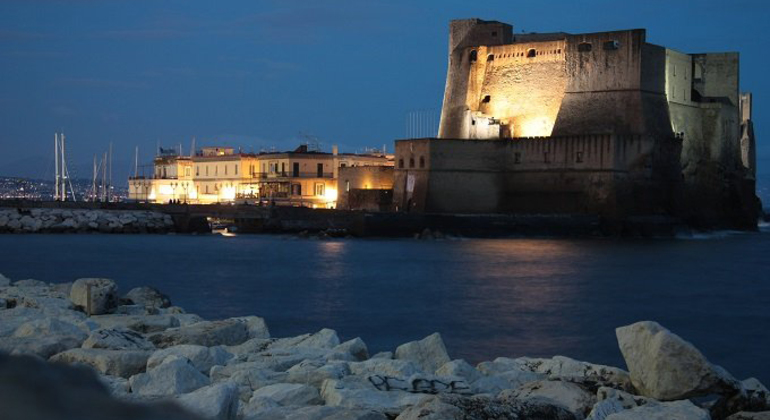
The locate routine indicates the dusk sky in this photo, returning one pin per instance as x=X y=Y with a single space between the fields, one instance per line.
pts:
x=254 y=74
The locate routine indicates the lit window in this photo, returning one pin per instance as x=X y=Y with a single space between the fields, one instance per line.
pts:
x=347 y=186
x=319 y=189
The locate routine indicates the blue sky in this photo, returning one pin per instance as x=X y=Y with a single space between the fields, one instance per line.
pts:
x=254 y=74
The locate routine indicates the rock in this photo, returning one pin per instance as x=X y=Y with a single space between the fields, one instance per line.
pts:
x=44 y=347
x=323 y=339
x=289 y=394
x=679 y=410
x=511 y=379
x=429 y=353
x=564 y=394
x=115 y=384
x=317 y=412
x=753 y=397
x=665 y=367
x=356 y=347
x=117 y=339
x=254 y=345
x=148 y=297
x=109 y=362
x=203 y=358
x=103 y=295
x=612 y=401
x=359 y=393
x=383 y=355
x=563 y=369
x=216 y=402
x=228 y=332
x=385 y=367
x=42 y=327
x=459 y=368
x=176 y=375
x=4 y=281
x=140 y=323
x=448 y=407
x=313 y=372
x=32 y=389
x=255 y=325
x=30 y=283
x=745 y=415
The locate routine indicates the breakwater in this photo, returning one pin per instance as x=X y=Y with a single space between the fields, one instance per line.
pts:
x=64 y=220
x=139 y=348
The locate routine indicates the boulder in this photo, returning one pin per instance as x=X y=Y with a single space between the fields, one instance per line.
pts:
x=563 y=369
x=4 y=281
x=228 y=332
x=459 y=368
x=313 y=372
x=429 y=353
x=176 y=375
x=148 y=297
x=103 y=295
x=323 y=339
x=507 y=380
x=385 y=367
x=27 y=283
x=140 y=323
x=289 y=394
x=679 y=410
x=355 y=347
x=117 y=339
x=612 y=401
x=123 y=363
x=203 y=358
x=47 y=326
x=256 y=326
x=215 y=402
x=665 y=367
x=359 y=393
x=564 y=394
x=44 y=347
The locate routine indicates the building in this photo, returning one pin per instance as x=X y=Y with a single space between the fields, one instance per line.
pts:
x=591 y=123
x=301 y=177
x=367 y=188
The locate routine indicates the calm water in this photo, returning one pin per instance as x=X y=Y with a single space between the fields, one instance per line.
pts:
x=488 y=298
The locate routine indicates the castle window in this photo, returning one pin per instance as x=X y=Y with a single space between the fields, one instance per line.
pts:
x=422 y=162
x=558 y=51
x=579 y=157
x=584 y=47
x=611 y=45
x=494 y=33
x=474 y=56
x=491 y=57
x=531 y=53
x=197 y=170
x=411 y=162
x=347 y=185
x=486 y=99
x=517 y=158
x=401 y=163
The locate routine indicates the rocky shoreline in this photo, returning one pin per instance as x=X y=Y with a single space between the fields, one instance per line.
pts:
x=83 y=350
x=53 y=220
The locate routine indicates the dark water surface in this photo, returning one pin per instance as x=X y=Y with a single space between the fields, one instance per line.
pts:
x=487 y=297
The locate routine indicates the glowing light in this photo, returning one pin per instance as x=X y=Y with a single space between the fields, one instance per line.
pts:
x=330 y=194
x=165 y=190
x=534 y=127
x=227 y=193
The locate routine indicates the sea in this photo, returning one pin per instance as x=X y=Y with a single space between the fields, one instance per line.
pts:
x=488 y=298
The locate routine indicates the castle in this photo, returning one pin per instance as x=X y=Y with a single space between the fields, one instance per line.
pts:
x=602 y=123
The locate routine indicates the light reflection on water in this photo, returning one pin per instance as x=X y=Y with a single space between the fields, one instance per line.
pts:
x=488 y=298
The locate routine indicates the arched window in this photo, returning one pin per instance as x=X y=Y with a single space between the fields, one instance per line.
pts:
x=491 y=57
x=401 y=163
x=411 y=162
x=422 y=162
x=531 y=53
x=474 y=56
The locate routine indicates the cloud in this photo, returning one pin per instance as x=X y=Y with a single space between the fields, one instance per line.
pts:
x=102 y=83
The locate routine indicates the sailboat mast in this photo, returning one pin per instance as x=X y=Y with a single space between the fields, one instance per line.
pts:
x=109 y=187
x=93 y=182
x=63 y=188
x=56 y=160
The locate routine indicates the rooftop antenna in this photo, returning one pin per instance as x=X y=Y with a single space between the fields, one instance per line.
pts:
x=109 y=183
x=136 y=162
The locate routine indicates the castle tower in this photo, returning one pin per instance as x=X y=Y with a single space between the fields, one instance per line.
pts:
x=463 y=34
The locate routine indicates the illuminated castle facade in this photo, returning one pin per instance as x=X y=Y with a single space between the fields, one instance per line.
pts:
x=583 y=123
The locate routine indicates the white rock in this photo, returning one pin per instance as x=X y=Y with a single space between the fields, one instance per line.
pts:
x=678 y=410
x=459 y=368
x=4 y=281
x=176 y=375
x=47 y=327
x=117 y=339
x=665 y=367
x=215 y=402
x=228 y=332
x=140 y=323
x=429 y=353
x=612 y=400
x=356 y=347
x=103 y=295
x=289 y=394
x=203 y=358
x=385 y=367
x=563 y=369
x=359 y=393
x=121 y=363
x=565 y=394
x=148 y=297
x=115 y=384
x=314 y=372
x=256 y=326
x=511 y=379
x=317 y=412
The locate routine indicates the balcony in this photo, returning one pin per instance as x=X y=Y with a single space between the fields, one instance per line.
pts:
x=284 y=174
